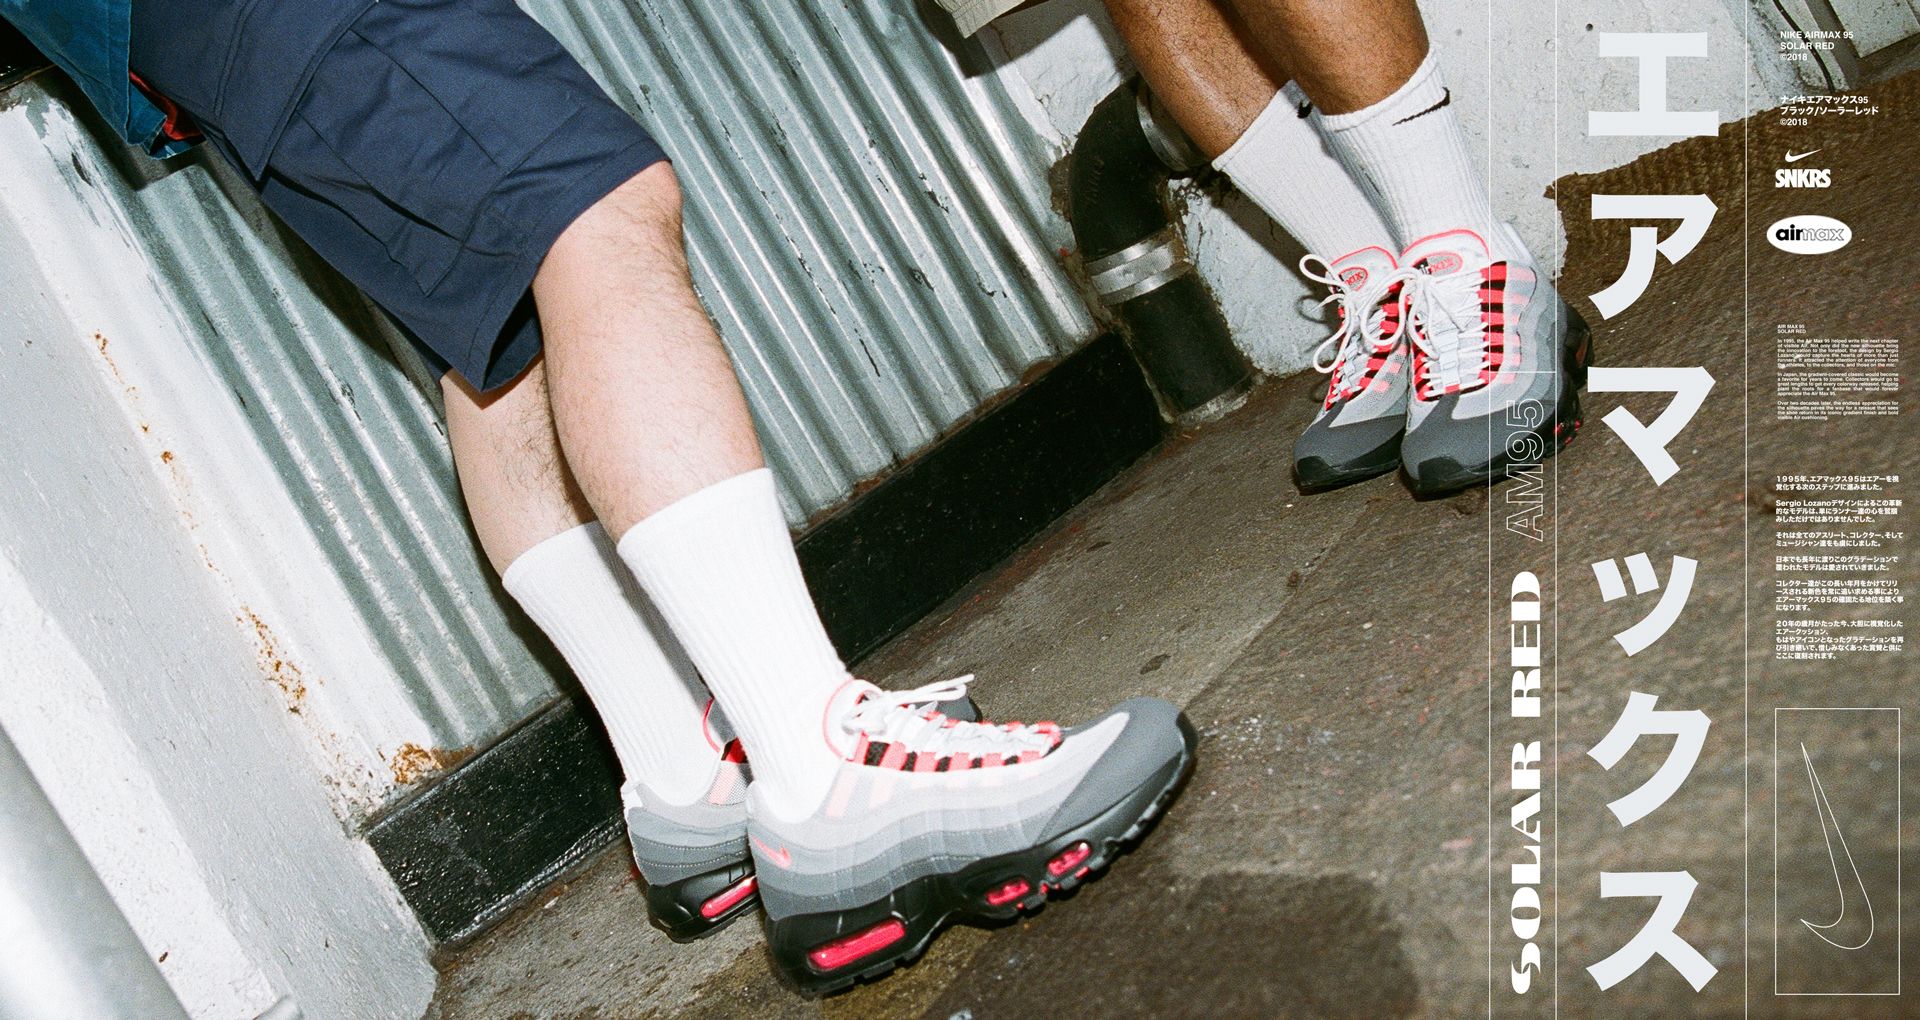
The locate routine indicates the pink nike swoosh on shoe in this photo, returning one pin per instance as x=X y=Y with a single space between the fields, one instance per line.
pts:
x=781 y=858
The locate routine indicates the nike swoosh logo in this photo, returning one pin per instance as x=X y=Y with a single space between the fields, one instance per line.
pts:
x=1827 y=819
x=1797 y=157
x=781 y=858
x=1446 y=96
x=1306 y=109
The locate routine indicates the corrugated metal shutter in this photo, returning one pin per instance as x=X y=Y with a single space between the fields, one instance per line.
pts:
x=871 y=229
x=358 y=446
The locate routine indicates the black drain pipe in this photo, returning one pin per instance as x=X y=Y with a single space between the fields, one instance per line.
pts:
x=1133 y=257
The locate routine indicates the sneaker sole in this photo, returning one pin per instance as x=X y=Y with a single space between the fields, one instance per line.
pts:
x=869 y=941
x=694 y=908
x=1317 y=474
x=1443 y=477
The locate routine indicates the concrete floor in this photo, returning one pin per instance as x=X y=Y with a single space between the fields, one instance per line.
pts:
x=1335 y=854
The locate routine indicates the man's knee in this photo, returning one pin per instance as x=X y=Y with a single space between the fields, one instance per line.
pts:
x=642 y=215
x=647 y=205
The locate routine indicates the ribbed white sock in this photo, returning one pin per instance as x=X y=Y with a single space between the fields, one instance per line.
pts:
x=641 y=683
x=1281 y=163
x=720 y=565
x=1409 y=152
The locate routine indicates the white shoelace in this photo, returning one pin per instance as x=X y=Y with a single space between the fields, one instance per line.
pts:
x=1346 y=349
x=902 y=717
x=1442 y=313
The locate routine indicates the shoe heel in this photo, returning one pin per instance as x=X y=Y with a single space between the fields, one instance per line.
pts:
x=694 y=908
x=825 y=952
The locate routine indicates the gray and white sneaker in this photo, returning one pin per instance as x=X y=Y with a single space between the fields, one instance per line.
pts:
x=694 y=857
x=1356 y=435
x=930 y=819
x=1498 y=361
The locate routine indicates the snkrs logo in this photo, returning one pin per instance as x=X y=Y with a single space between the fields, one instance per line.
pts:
x=1809 y=235
x=1805 y=177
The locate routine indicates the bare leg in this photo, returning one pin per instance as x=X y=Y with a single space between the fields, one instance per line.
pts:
x=656 y=429
x=539 y=534
x=1199 y=66
x=1346 y=54
x=1384 y=107
x=644 y=397
x=1229 y=100
x=517 y=487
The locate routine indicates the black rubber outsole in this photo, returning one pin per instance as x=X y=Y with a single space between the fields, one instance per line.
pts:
x=674 y=907
x=1316 y=474
x=926 y=906
x=1436 y=478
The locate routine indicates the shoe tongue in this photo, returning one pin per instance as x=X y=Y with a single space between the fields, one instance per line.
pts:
x=1362 y=267
x=1447 y=252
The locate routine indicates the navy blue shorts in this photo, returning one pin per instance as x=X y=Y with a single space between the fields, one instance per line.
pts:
x=432 y=156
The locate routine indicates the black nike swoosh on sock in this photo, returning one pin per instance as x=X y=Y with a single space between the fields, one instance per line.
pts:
x=1446 y=96
x=1306 y=108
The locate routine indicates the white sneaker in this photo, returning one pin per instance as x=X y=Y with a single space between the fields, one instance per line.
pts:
x=930 y=819
x=1498 y=361
x=1356 y=435
x=694 y=857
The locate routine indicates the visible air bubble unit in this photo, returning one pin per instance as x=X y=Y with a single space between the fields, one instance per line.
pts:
x=1069 y=859
x=1008 y=891
x=729 y=897
x=858 y=946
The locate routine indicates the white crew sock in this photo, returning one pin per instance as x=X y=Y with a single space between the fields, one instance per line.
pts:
x=720 y=565
x=1281 y=163
x=1409 y=152
x=646 y=691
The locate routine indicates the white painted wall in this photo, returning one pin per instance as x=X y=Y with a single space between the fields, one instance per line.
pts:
x=308 y=634
x=189 y=661
x=1505 y=81
x=59 y=716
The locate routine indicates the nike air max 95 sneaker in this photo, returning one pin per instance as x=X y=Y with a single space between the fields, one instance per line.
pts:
x=1498 y=360
x=694 y=857
x=1357 y=432
x=930 y=819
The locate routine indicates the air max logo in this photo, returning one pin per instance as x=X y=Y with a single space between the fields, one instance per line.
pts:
x=1809 y=235
x=1440 y=263
x=1354 y=278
